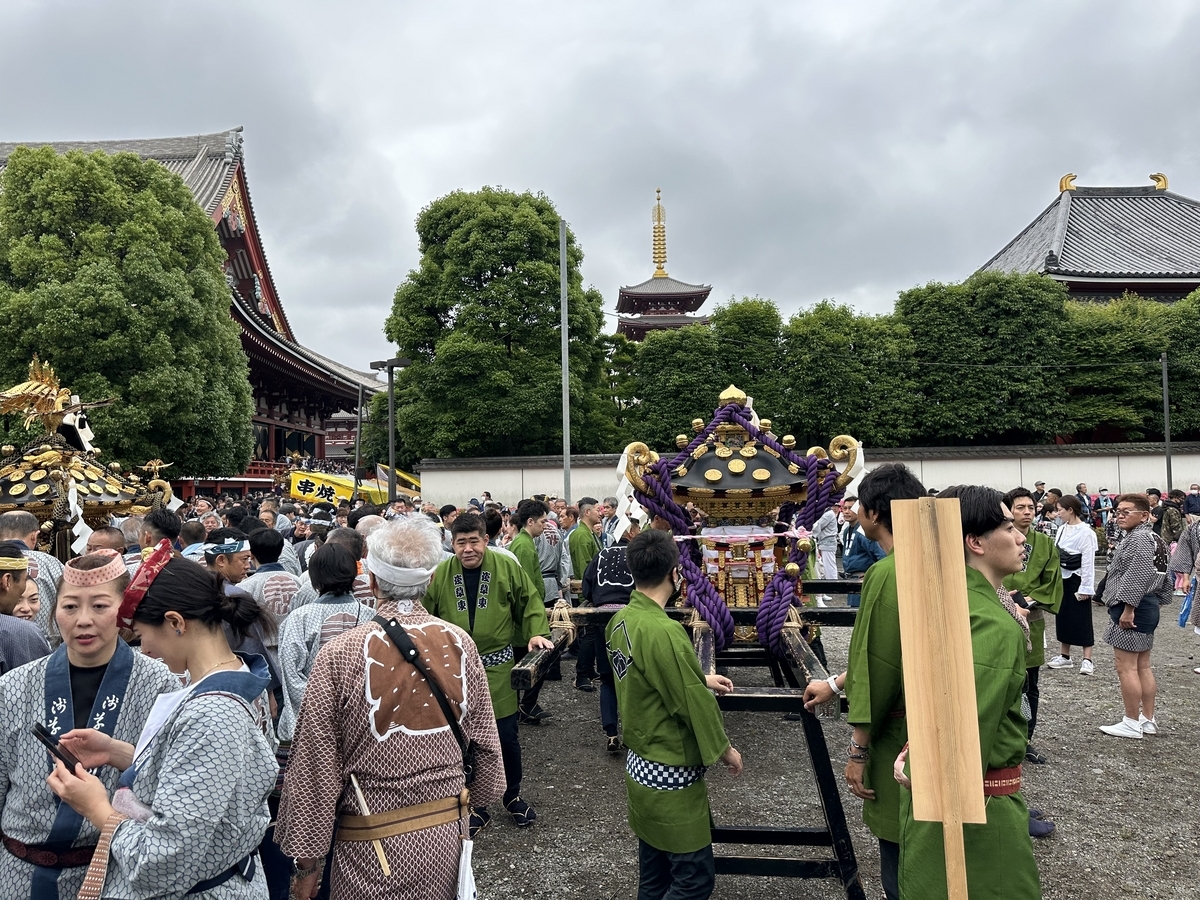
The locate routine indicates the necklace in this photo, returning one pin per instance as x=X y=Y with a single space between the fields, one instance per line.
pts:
x=213 y=668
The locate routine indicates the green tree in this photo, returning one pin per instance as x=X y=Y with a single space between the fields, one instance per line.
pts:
x=480 y=320
x=1106 y=402
x=111 y=272
x=1183 y=357
x=747 y=334
x=978 y=345
x=677 y=379
x=848 y=374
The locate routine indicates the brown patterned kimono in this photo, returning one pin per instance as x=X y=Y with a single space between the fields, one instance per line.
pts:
x=368 y=713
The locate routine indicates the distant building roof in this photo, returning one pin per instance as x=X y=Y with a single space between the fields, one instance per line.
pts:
x=1146 y=234
x=662 y=292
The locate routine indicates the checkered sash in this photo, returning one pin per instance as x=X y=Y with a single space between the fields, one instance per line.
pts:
x=659 y=776
x=499 y=658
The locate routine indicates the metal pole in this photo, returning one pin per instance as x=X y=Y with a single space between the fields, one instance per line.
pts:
x=566 y=380
x=1167 y=420
x=391 y=435
x=358 y=443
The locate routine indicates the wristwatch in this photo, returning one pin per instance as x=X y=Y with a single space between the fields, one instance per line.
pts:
x=832 y=681
x=299 y=873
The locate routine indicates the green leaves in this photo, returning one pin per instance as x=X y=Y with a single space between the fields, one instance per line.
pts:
x=111 y=272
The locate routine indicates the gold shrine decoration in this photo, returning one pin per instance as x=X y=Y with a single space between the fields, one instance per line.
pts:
x=40 y=397
x=844 y=448
x=1067 y=182
x=1160 y=181
x=638 y=458
x=659 y=217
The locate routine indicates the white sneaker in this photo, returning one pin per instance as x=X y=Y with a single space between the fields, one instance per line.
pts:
x=1061 y=662
x=1126 y=728
x=1087 y=668
x=1149 y=726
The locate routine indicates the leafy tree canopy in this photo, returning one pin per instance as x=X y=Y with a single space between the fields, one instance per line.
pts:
x=480 y=320
x=111 y=272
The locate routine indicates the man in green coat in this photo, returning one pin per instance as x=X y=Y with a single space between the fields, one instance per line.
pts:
x=999 y=853
x=530 y=522
x=1040 y=582
x=673 y=728
x=490 y=596
x=874 y=678
x=583 y=544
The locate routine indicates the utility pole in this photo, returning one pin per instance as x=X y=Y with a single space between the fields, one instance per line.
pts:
x=566 y=380
x=1167 y=420
x=358 y=444
x=391 y=365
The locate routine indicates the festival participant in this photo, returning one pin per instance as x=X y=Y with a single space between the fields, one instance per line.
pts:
x=859 y=552
x=105 y=537
x=874 y=679
x=200 y=772
x=93 y=681
x=999 y=854
x=490 y=597
x=404 y=755
x=228 y=554
x=272 y=586
x=1136 y=586
x=21 y=529
x=353 y=540
x=608 y=582
x=191 y=540
x=1075 y=538
x=582 y=545
x=21 y=639
x=333 y=570
x=530 y=518
x=158 y=525
x=673 y=728
x=1040 y=582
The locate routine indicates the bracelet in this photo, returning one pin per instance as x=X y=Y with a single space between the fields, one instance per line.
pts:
x=299 y=874
x=832 y=681
x=857 y=757
x=855 y=745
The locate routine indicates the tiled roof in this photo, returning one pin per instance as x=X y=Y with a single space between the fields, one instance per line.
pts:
x=661 y=320
x=1098 y=232
x=205 y=162
x=667 y=285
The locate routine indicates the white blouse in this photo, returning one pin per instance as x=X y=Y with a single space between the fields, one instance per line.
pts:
x=1081 y=539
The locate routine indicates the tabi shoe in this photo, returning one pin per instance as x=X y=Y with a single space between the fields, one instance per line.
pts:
x=522 y=813
x=585 y=685
x=1149 y=726
x=1087 y=667
x=1033 y=755
x=535 y=716
x=1035 y=813
x=1039 y=828
x=1060 y=662
x=615 y=745
x=480 y=818
x=1126 y=728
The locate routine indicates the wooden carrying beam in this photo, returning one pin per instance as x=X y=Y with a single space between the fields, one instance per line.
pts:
x=939 y=675
x=533 y=666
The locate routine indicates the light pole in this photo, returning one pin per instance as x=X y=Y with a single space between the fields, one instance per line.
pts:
x=391 y=365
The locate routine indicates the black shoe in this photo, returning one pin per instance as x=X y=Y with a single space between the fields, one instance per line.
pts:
x=480 y=818
x=1039 y=828
x=523 y=814
x=1033 y=755
x=1035 y=813
x=585 y=686
x=615 y=745
x=535 y=716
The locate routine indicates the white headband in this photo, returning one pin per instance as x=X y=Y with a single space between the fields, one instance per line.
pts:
x=401 y=577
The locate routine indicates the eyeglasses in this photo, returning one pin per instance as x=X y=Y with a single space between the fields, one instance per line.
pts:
x=1127 y=512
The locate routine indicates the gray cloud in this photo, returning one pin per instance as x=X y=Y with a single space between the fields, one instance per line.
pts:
x=804 y=151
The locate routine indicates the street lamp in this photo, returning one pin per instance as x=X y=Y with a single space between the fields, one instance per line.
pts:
x=391 y=365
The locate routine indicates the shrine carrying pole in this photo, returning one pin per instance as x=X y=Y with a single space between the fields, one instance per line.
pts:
x=566 y=364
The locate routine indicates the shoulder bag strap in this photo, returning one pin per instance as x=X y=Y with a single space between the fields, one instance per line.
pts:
x=409 y=651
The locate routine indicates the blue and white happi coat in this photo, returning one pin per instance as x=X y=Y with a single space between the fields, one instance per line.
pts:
x=40 y=691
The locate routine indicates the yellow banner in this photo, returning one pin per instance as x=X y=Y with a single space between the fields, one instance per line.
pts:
x=316 y=486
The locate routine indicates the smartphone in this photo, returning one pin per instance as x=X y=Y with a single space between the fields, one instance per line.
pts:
x=1019 y=599
x=42 y=734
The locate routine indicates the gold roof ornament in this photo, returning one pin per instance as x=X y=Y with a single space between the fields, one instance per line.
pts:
x=40 y=397
x=1067 y=182
x=732 y=396
x=1160 y=181
x=154 y=466
x=659 y=217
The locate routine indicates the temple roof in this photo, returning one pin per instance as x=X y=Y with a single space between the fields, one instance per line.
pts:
x=665 y=284
x=662 y=290
x=1109 y=232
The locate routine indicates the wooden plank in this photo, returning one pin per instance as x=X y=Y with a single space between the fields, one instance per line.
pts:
x=704 y=641
x=533 y=666
x=939 y=675
x=840 y=617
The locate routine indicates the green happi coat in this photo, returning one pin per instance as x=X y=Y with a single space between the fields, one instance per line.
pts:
x=1040 y=580
x=582 y=544
x=670 y=717
x=509 y=611
x=1000 y=863
x=523 y=548
x=875 y=689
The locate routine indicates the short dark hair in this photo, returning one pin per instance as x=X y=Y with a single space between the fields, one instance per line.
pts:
x=1139 y=502
x=468 y=523
x=1015 y=494
x=333 y=568
x=163 y=524
x=1079 y=487
x=1176 y=494
x=251 y=524
x=199 y=594
x=493 y=521
x=361 y=513
x=348 y=538
x=586 y=501
x=1055 y=491
x=266 y=545
x=979 y=507
x=882 y=485
x=651 y=556
x=1072 y=503
x=1153 y=492
x=529 y=509
x=192 y=532
x=235 y=515
x=269 y=511
x=448 y=509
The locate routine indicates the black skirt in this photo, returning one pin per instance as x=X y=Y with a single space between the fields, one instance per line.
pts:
x=1074 y=625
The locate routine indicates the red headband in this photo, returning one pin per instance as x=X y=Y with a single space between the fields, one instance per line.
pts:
x=146 y=573
x=110 y=571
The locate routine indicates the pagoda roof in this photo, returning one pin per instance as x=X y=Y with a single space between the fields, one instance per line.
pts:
x=660 y=288
x=1109 y=233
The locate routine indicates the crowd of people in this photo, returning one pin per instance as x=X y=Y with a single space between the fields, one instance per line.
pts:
x=307 y=702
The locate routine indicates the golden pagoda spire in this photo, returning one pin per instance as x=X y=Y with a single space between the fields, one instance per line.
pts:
x=659 y=217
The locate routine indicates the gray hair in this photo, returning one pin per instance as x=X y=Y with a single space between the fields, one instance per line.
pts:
x=367 y=524
x=16 y=524
x=407 y=544
x=132 y=529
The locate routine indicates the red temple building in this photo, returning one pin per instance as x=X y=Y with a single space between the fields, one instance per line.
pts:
x=1102 y=242
x=296 y=390
x=660 y=302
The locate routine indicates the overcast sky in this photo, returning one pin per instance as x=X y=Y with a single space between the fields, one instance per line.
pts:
x=805 y=150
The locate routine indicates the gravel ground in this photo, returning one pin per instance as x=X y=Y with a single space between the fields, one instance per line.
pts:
x=1125 y=810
